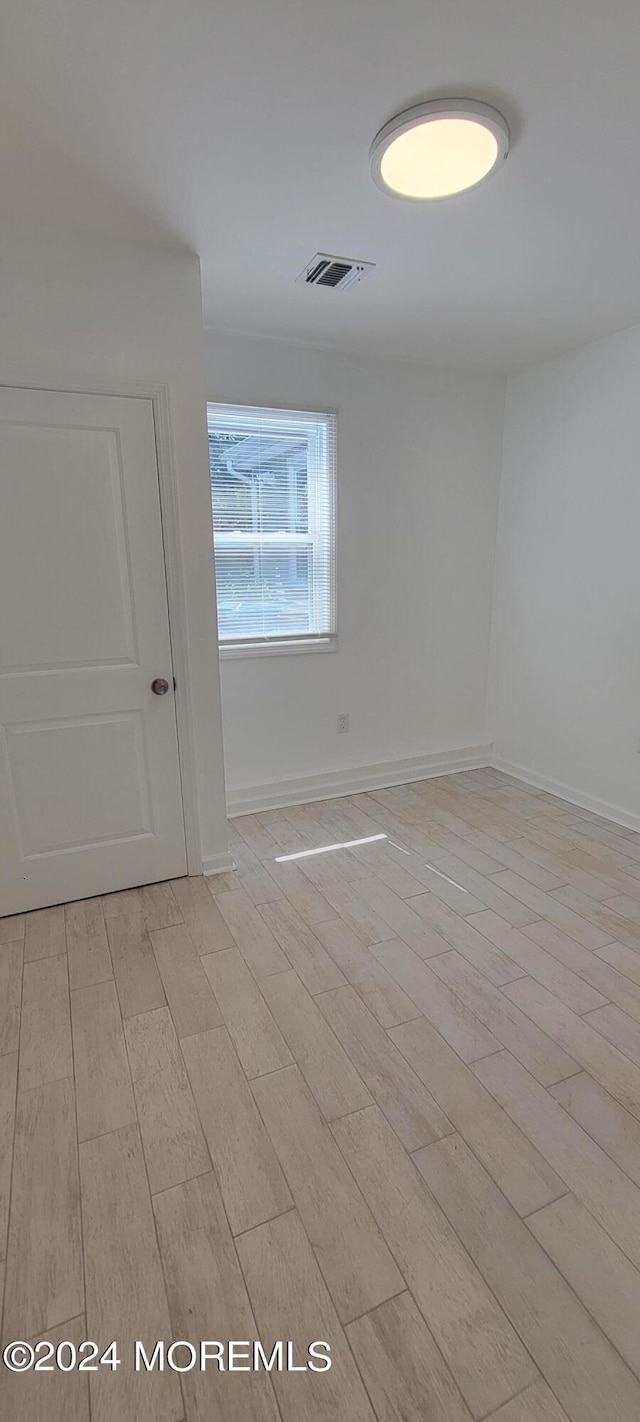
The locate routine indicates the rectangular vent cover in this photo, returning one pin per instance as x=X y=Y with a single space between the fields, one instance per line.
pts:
x=335 y=272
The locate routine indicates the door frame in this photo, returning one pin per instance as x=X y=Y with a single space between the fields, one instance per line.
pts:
x=158 y=394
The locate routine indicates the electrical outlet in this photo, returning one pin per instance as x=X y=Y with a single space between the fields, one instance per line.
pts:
x=343 y=723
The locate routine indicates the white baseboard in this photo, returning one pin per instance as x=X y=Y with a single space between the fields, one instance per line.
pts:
x=217 y=864
x=331 y=784
x=607 y=811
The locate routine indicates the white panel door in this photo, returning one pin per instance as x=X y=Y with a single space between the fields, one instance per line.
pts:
x=90 y=795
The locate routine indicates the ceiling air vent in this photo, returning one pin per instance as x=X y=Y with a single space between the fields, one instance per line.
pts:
x=335 y=272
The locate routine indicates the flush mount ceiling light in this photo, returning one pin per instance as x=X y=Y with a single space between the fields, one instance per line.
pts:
x=439 y=148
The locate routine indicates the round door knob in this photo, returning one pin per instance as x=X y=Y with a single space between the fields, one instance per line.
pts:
x=160 y=686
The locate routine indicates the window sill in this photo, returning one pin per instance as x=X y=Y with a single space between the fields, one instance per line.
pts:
x=229 y=651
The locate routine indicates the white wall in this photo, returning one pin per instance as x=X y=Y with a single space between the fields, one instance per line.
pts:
x=84 y=309
x=565 y=664
x=419 y=457
x=418 y=466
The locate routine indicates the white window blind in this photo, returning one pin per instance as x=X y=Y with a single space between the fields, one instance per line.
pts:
x=273 y=501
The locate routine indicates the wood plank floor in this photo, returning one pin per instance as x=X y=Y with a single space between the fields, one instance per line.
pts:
x=385 y=1096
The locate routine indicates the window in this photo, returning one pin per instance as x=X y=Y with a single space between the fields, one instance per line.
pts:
x=273 y=501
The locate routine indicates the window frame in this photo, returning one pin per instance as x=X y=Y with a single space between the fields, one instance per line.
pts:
x=296 y=644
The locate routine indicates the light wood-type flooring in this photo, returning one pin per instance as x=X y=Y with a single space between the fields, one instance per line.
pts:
x=386 y=1097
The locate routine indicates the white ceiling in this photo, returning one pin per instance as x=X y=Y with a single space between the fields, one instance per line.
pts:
x=241 y=128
